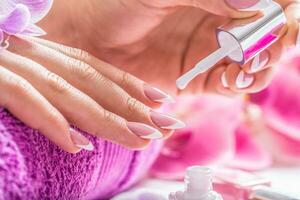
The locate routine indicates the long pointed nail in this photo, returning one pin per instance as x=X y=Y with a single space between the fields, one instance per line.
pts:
x=144 y=131
x=259 y=62
x=224 y=80
x=80 y=141
x=166 y=122
x=298 y=38
x=244 y=80
x=157 y=95
x=249 y=5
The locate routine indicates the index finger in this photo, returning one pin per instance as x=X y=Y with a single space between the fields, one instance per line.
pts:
x=147 y=94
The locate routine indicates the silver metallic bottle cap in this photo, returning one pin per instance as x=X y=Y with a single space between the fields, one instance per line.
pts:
x=241 y=40
x=253 y=37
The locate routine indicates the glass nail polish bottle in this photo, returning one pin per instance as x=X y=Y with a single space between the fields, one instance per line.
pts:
x=198 y=186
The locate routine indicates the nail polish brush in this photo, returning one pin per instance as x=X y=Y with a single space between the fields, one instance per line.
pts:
x=240 y=41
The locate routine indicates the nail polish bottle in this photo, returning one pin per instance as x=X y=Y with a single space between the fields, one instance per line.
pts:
x=198 y=185
x=240 y=40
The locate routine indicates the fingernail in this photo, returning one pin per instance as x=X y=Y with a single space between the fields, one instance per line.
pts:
x=224 y=81
x=298 y=38
x=157 y=95
x=80 y=141
x=259 y=62
x=249 y=5
x=244 y=80
x=144 y=131
x=166 y=122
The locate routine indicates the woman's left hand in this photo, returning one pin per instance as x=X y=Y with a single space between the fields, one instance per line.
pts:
x=50 y=87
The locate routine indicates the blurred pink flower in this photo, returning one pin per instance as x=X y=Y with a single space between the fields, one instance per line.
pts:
x=248 y=134
x=213 y=137
x=280 y=106
x=249 y=152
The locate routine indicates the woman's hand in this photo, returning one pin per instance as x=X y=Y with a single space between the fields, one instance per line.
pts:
x=159 y=40
x=50 y=86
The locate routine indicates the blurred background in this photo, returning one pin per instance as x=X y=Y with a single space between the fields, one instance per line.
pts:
x=258 y=133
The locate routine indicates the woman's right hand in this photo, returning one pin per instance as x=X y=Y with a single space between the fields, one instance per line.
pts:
x=168 y=37
x=49 y=86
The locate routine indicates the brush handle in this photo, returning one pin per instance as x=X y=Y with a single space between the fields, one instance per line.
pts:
x=201 y=67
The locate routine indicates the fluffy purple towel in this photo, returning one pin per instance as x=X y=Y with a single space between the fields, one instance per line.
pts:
x=31 y=167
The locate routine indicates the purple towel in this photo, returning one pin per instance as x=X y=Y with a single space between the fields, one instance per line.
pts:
x=31 y=167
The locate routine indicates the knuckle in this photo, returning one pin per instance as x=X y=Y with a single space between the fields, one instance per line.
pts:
x=74 y=64
x=86 y=72
x=98 y=77
x=82 y=70
x=134 y=105
x=110 y=117
x=57 y=83
x=78 y=53
x=125 y=79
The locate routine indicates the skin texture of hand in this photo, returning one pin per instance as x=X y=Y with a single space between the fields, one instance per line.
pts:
x=156 y=41
x=50 y=86
x=160 y=40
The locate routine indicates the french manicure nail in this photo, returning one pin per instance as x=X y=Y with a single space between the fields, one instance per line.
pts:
x=259 y=62
x=244 y=80
x=249 y=5
x=144 y=131
x=165 y=121
x=80 y=141
x=224 y=81
x=157 y=95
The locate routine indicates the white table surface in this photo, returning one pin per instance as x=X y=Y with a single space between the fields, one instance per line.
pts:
x=284 y=179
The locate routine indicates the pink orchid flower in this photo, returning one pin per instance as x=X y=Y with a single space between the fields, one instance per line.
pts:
x=20 y=16
x=280 y=106
x=250 y=154
x=217 y=134
x=208 y=138
x=238 y=133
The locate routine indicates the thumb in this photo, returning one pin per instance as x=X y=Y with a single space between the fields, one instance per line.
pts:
x=232 y=8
